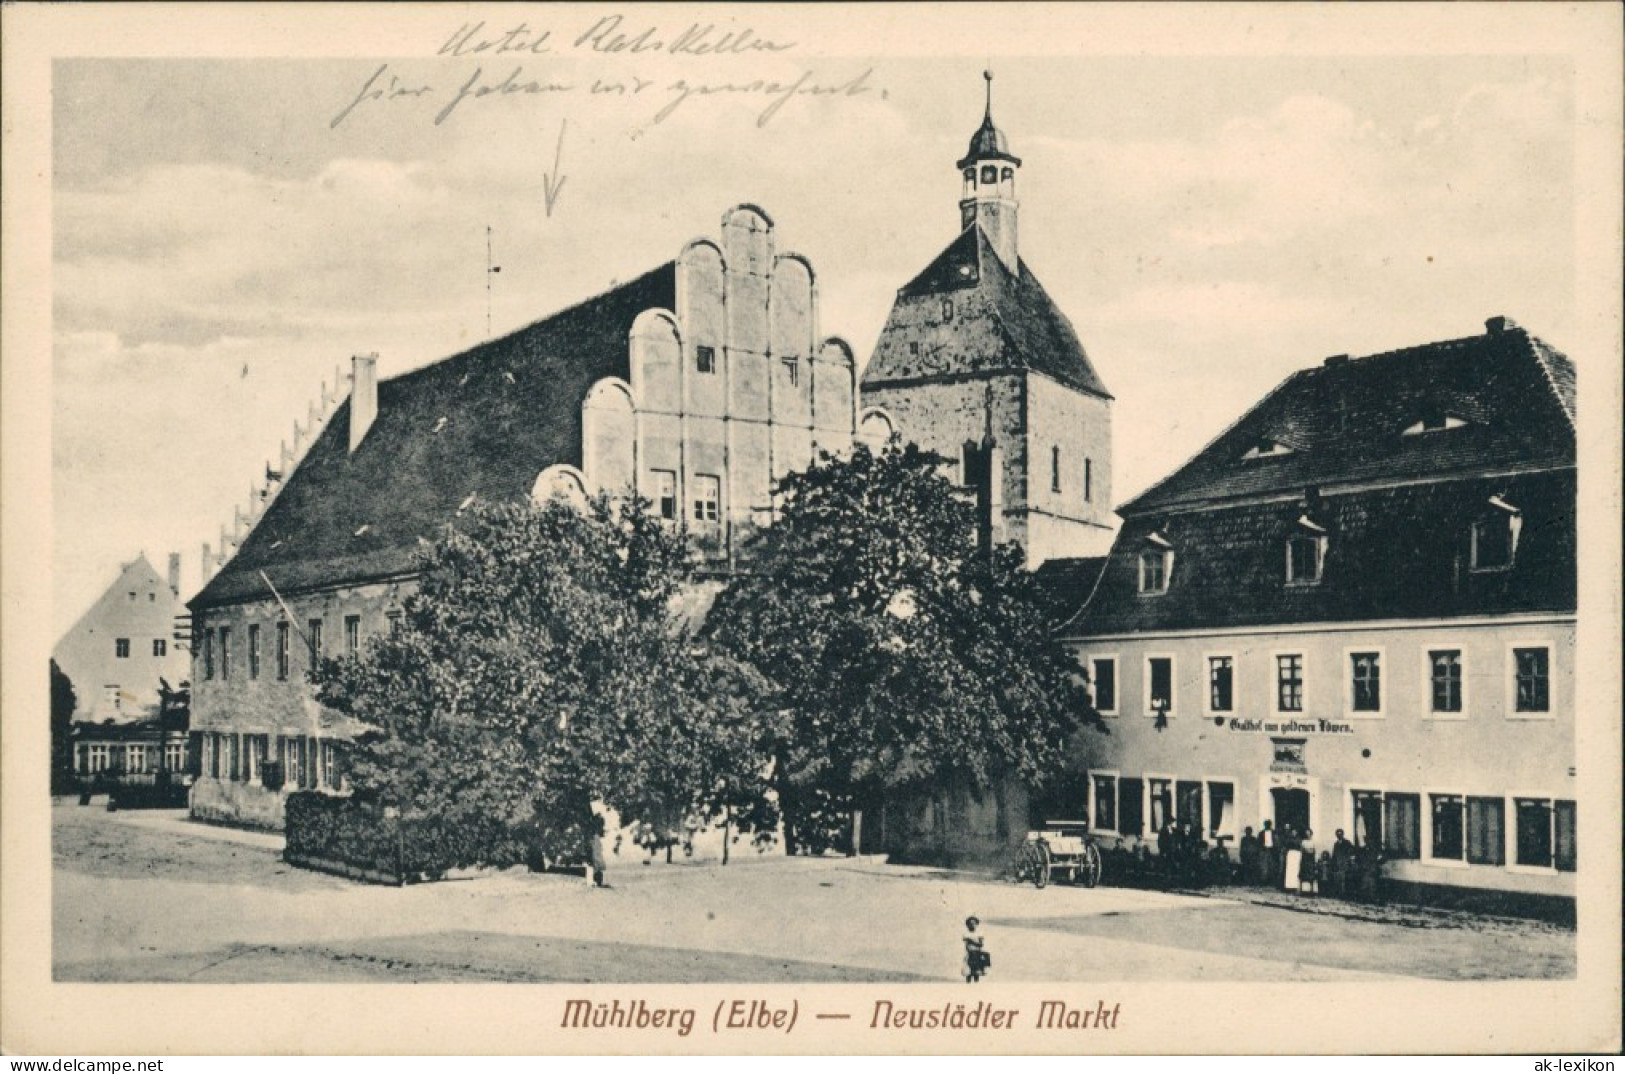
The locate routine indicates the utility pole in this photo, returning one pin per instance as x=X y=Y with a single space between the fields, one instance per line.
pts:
x=490 y=270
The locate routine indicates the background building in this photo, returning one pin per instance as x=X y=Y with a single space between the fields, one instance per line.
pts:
x=699 y=382
x=1355 y=610
x=124 y=643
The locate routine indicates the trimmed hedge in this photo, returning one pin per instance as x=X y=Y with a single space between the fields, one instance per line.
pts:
x=358 y=839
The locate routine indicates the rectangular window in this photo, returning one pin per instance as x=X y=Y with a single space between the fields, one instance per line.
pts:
x=254 y=748
x=1486 y=831
x=1154 y=572
x=1365 y=683
x=1402 y=832
x=1303 y=558
x=1161 y=801
x=1188 y=804
x=225 y=652
x=332 y=772
x=174 y=756
x=282 y=650
x=1105 y=794
x=160 y=647
x=1055 y=469
x=1564 y=853
x=1444 y=674
x=1493 y=542
x=1104 y=670
x=1221 y=671
x=1221 y=816
x=253 y=650
x=293 y=767
x=1129 y=807
x=665 y=492
x=394 y=624
x=234 y=757
x=1532 y=679
x=1088 y=480
x=1159 y=685
x=208 y=654
x=352 y=635
x=705 y=359
x=707 y=498
x=1448 y=834
x=1289 y=682
x=135 y=758
x=1534 y=818
x=313 y=637
x=121 y=648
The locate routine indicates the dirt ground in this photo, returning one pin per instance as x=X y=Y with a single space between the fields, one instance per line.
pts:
x=155 y=897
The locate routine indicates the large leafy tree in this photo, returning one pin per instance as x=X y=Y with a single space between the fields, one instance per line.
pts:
x=902 y=653
x=540 y=669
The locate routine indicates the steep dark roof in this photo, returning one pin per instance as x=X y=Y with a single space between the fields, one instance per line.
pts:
x=1343 y=421
x=1000 y=322
x=484 y=422
x=1067 y=583
x=1391 y=553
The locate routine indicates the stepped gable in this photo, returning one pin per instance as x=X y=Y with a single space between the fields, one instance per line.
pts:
x=484 y=423
x=1000 y=322
x=1342 y=422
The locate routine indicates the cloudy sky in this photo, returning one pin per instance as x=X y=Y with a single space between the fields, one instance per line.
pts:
x=226 y=234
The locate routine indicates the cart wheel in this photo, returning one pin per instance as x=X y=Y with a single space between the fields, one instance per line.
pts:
x=1041 y=866
x=1089 y=867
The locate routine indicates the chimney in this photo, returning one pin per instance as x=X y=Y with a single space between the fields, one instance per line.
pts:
x=175 y=573
x=1337 y=360
x=1497 y=325
x=363 y=396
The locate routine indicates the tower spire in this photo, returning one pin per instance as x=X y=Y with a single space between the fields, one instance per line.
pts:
x=987 y=113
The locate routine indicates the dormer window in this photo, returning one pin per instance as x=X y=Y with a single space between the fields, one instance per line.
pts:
x=1265 y=448
x=1305 y=553
x=1434 y=421
x=1495 y=536
x=1156 y=564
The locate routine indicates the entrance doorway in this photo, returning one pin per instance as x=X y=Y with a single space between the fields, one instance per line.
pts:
x=1291 y=808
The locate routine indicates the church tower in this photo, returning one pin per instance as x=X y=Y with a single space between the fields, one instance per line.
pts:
x=977 y=363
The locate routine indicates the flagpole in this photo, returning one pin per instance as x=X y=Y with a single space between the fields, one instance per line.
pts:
x=315 y=718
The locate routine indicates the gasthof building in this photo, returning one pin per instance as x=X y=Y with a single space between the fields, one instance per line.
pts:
x=1355 y=610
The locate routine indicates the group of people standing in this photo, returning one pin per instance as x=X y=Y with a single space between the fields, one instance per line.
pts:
x=1285 y=857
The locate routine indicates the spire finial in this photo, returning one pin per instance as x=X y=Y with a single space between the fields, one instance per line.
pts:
x=987 y=73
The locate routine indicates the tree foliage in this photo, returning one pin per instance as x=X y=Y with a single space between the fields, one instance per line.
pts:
x=540 y=668
x=901 y=653
x=63 y=701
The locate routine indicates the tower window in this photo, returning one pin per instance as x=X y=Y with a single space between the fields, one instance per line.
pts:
x=792 y=371
x=990 y=173
x=707 y=498
x=1055 y=469
x=705 y=359
x=1007 y=174
x=970 y=175
x=665 y=490
x=1088 y=480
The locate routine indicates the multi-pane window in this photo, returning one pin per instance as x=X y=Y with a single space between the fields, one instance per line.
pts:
x=1159 y=684
x=1289 y=682
x=1534 y=820
x=1221 y=671
x=313 y=637
x=1444 y=676
x=1105 y=794
x=282 y=649
x=225 y=652
x=160 y=647
x=705 y=359
x=254 y=749
x=135 y=758
x=174 y=756
x=121 y=648
x=707 y=498
x=1104 y=674
x=1402 y=828
x=665 y=492
x=1448 y=833
x=352 y=635
x=1486 y=831
x=1365 y=683
x=208 y=654
x=253 y=650
x=1531 y=679
x=1154 y=571
x=1303 y=559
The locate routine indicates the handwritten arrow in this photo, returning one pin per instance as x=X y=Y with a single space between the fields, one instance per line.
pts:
x=553 y=182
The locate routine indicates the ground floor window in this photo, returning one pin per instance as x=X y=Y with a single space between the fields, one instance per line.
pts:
x=1402 y=830
x=1448 y=834
x=1188 y=804
x=1160 y=797
x=1221 y=809
x=174 y=756
x=1367 y=818
x=255 y=749
x=1563 y=820
x=1130 y=806
x=1105 y=799
x=1534 y=819
x=1486 y=831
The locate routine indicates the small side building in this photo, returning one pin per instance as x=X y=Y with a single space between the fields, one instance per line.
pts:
x=1355 y=611
x=124 y=643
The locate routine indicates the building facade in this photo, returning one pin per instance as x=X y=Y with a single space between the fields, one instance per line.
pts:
x=978 y=364
x=124 y=643
x=1355 y=611
x=699 y=383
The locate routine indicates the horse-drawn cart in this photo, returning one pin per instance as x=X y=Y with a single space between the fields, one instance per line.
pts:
x=1061 y=851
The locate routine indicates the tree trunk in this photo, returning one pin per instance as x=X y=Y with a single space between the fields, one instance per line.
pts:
x=727 y=831
x=857 y=833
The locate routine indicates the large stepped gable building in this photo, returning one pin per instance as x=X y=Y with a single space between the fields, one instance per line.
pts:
x=1355 y=610
x=977 y=363
x=700 y=382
